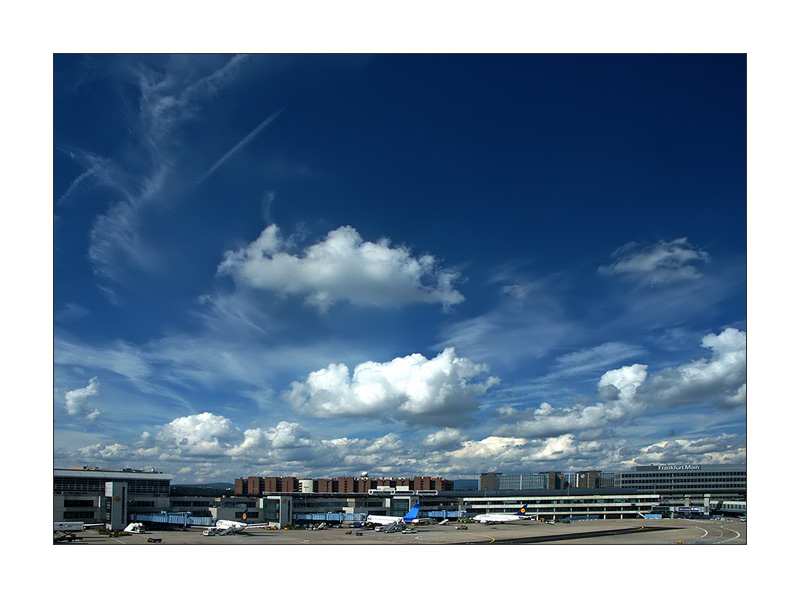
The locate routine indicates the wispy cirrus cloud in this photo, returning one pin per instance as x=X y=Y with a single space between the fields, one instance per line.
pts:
x=592 y=359
x=144 y=175
x=169 y=97
x=661 y=263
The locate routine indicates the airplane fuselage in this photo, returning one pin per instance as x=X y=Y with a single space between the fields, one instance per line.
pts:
x=496 y=518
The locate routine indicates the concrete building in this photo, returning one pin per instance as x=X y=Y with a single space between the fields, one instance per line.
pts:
x=611 y=503
x=679 y=483
x=544 y=504
x=92 y=495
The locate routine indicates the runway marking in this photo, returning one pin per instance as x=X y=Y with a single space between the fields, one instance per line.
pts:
x=730 y=539
x=705 y=533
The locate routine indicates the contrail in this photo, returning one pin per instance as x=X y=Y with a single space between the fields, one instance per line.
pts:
x=75 y=184
x=236 y=148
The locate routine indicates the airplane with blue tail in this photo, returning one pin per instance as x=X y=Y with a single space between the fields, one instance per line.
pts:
x=410 y=517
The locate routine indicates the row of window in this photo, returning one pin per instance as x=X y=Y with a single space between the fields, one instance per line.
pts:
x=683 y=474
x=681 y=479
x=83 y=484
x=577 y=501
x=690 y=486
x=79 y=514
x=78 y=503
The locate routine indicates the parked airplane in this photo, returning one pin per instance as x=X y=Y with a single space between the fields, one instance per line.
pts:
x=225 y=527
x=502 y=517
x=410 y=517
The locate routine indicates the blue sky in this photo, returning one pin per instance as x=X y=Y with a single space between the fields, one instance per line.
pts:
x=402 y=264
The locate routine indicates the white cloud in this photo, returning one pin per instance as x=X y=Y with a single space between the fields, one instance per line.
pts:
x=342 y=267
x=629 y=392
x=211 y=448
x=204 y=434
x=411 y=389
x=77 y=401
x=517 y=454
x=212 y=443
x=445 y=439
x=664 y=262
x=721 y=379
x=724 y=448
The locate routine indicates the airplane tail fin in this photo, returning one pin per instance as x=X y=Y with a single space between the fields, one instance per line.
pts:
x=412 y=514
x=523 y=511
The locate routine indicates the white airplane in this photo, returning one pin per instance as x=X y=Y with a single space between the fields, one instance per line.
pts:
x=502 y=517
x=410 y=517
x=226 y=527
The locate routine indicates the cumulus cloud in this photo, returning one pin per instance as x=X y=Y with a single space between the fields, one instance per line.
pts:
x=284 y=435
x=77 y=401
x=441 y=390
x=629 y=391
x=721 y=379
x=341 y=267
x=211 y=443
x=500 y=453
x=204 y=434
x=218 y=450
x=662 y=263
x=445 y=439
x=723 y=448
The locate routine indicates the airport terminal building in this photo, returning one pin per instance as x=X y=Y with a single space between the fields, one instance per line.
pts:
x=93 y=495
x=676 y=482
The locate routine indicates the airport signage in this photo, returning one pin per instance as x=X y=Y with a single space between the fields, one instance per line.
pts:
x=678 y=467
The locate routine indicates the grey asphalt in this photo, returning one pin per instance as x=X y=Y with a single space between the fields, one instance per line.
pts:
x=607 y=532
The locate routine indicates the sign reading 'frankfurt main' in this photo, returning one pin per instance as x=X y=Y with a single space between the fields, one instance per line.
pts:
x=678 y=467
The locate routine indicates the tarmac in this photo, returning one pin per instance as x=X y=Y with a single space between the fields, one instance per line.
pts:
x=606 y=532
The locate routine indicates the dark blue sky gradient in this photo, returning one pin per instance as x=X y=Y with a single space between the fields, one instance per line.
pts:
x=528 y=175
